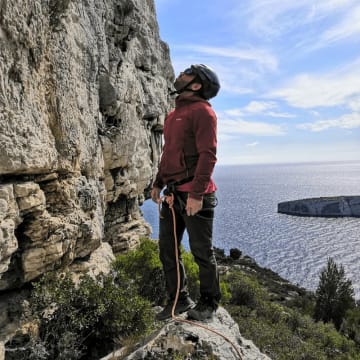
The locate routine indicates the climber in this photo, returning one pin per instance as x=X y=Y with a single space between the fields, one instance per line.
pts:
x=185 y=169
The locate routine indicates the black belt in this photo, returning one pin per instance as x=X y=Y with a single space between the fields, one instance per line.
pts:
x=171 y=186
x=180 y=182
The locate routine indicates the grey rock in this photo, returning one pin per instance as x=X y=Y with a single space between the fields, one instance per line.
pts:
x=217 y=339
x=83 y=86
x=2 y=351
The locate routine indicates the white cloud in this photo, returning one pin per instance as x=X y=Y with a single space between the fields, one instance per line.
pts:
x=277 y=17
x=231 y=123
x=280 y=115
x=320 y=89
x=339 y=87
x=238 y=127
x=261 y=57
x=233 y=88
x=268 y=108
x=332 y=5
x=354 y=104
x=348 y=26
x=239 y=69
x=234 y=112
x=271 y=18
x=260 y=106
x=253 y=144
x=347 y=121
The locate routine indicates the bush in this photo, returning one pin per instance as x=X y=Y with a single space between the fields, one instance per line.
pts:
x=350 y=326
x=334 y=295
x=192 y=274
x=225 y=293
x=279 y=331
x=82 y=322
x=144 y=267
x=245 y=290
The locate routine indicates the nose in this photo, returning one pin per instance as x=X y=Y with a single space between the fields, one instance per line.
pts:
x=181 y=74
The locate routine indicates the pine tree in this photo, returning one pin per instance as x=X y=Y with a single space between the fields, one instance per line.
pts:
x=334 y=295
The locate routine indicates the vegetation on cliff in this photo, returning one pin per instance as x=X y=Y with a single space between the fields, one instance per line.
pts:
x=88 y=320
x=334 y=295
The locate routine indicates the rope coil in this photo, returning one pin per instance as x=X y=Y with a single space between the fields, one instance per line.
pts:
x=170 y=201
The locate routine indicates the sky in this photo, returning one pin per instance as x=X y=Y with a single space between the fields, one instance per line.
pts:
x=289 y=73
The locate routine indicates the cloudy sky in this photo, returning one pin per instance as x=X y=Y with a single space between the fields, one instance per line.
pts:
x=290 y=74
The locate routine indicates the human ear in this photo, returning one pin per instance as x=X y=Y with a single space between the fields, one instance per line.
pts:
x=196 y=86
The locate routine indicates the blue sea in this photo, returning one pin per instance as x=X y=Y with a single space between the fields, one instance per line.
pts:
x=297 y=248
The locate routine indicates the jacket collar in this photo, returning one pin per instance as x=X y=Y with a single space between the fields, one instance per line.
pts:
x=186 y=100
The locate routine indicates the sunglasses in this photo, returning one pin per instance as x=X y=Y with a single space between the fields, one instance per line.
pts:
x=189 y=71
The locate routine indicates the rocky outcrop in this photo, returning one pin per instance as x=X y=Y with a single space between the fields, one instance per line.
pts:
x=189 y=341
x=323 y=206
x=83 y=94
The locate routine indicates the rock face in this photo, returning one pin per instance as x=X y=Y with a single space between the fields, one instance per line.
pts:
x=188 y=341
x=324 y=206
x=83 y=95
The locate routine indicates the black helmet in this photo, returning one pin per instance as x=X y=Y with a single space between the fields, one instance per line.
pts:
x=210 y=81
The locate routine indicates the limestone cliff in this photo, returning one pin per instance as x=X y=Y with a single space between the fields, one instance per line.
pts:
x=337 y=206
x=83 y=94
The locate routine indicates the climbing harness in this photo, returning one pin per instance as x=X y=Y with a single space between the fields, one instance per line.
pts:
x=170 y=199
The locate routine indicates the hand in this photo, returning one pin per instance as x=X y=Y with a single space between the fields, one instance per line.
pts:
x=193 y=206
x=155 y=195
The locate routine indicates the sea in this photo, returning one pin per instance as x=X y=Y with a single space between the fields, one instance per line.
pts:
x=297 y=248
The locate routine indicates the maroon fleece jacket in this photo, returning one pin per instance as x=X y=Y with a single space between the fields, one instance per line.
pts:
x=190 y=146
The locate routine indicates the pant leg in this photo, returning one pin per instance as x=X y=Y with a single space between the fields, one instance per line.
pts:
x=200 y=230
x=167 y=250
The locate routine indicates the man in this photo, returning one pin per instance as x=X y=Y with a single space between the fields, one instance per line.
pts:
x=186 y=167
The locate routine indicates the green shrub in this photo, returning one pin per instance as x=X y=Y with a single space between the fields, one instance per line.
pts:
x=192 y=274
x=280 y=331
x=350 y=326
x=144 y=267
x=82 y=322
x=225 y=293
x=286 y=334
x=245 y=290
x=334 y=295
x=305 y=303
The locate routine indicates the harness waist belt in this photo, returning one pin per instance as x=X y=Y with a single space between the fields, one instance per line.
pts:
x=180 y=182
x=171 y=186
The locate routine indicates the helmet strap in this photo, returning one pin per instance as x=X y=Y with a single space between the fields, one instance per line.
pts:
x=185 y=88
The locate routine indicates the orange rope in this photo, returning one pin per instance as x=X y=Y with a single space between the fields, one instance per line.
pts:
x=170 y=200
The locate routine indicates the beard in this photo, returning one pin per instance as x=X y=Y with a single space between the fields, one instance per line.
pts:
x=179 y=84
